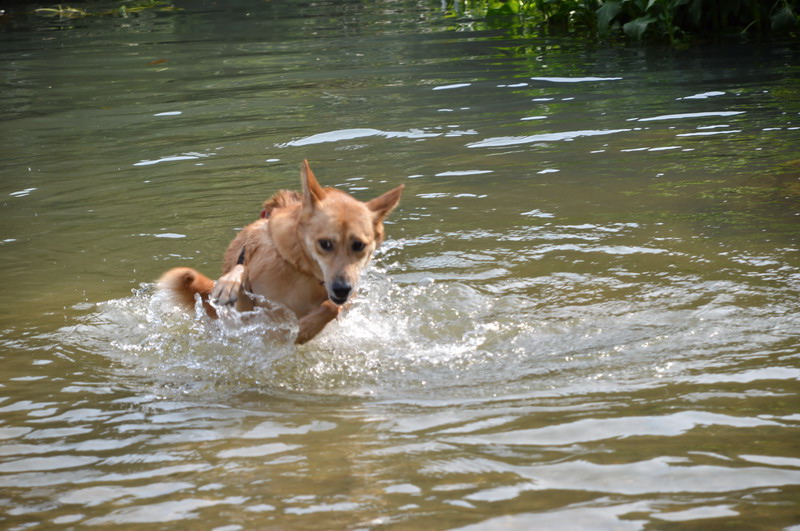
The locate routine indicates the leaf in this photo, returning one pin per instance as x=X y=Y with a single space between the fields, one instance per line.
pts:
x=503 y=7
x=606 y=14
x=783 y=20
x=696 y=12
x=636 y=28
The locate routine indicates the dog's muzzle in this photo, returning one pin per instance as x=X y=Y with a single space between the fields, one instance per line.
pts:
x=339 y=292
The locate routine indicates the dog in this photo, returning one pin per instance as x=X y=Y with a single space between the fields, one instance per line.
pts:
x=306 y=252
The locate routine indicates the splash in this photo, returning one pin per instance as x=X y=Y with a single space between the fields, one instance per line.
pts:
x=145 y=335
x=392 y=338
x=397 y=338
x=408 y=336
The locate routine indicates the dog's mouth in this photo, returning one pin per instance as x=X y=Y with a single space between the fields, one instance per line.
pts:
x=339 y=292
x=338 y=300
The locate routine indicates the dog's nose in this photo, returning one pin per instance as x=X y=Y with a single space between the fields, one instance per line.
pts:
x=340 y=291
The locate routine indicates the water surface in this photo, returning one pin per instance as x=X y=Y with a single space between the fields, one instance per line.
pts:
x=585 y=314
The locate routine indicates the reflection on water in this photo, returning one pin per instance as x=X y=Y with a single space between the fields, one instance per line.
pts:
x=585 y=315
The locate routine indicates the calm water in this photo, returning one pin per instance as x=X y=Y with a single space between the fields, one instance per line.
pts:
x=586 y=314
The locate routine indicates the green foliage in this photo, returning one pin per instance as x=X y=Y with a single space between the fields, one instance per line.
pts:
x=503 y=7
x=673 y=19
x=638 y=20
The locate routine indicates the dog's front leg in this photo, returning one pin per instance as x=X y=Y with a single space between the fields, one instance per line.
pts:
x=229 y=290
x=313 y=323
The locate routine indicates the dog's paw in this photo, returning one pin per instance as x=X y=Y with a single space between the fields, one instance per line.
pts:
x=228 y=286
x=331 y=309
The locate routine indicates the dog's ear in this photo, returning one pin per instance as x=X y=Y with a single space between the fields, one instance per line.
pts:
x=313 y=193
x=382 y=205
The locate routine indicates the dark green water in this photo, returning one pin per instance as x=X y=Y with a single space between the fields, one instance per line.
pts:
x=586 y=314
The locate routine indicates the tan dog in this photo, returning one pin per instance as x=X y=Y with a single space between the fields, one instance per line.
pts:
x=307 y=254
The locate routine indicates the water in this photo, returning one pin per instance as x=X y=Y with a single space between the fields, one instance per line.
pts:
x=585 y=314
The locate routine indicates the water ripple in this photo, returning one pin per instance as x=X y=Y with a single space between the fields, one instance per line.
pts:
x=543 y=137
x=351 y=134
x=587 y=430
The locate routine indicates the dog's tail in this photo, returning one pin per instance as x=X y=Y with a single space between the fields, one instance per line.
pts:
x=281 y=199
x=183 y=283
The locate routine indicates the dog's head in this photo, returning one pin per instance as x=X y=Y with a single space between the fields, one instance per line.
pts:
x=340 y=233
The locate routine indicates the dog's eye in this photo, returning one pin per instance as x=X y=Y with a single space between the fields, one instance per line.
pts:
x=358 y=246
x=326 y=245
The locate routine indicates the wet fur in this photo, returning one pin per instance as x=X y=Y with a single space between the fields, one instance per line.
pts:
x=280 y=257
